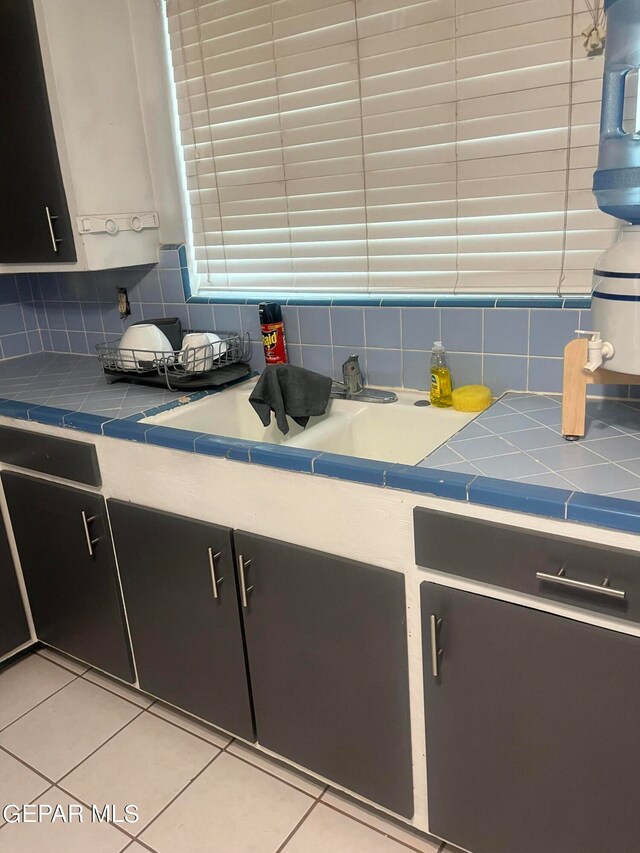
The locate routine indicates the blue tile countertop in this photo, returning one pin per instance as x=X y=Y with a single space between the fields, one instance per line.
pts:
x=512 y=456
x=70 y=390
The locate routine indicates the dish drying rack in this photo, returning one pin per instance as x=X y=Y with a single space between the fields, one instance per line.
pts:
x=194 y=368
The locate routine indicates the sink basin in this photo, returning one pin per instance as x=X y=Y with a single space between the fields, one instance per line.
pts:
x=395 y=432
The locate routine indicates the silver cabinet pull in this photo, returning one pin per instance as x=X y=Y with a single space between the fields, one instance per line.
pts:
x=86 y=521
x=436 y=653
x=212 y=565
x=601 y=589
x=50 y=219
x=244 y=589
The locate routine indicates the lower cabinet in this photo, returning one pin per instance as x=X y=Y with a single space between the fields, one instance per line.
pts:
x=533 y=728
x=182 y=606
x=14 y=629
x=327 y=649
x=303 y=650
x=69 y=569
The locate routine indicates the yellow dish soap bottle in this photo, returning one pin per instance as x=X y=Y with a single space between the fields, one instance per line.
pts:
x=440 y=378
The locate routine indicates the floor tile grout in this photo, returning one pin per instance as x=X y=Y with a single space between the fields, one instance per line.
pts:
x=182 y=790
x=110 y=738
x=60 y=663
x=46 y=790
x=273 y=775
x=77 y=799
x=4 y=728
x=297 y=826
x=27 y=765
x=407 y=827
x=115 y=693
x=141 y=843
x=56 y=783
x=194 y=720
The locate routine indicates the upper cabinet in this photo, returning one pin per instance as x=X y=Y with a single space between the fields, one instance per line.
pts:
x=88 y=168
x=34 y=216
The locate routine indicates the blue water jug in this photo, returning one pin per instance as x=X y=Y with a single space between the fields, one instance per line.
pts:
x=616 y=184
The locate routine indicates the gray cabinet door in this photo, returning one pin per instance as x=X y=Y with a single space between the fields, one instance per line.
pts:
x=14 y=629
x=34 y=218
x=74 y=594
x=327 y=649
x=187 y=643
x=533 y=729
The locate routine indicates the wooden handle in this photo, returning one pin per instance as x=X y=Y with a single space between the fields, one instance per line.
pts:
x=574 y=388
x=574 y=385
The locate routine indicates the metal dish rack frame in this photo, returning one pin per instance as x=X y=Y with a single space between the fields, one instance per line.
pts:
x=118 y=362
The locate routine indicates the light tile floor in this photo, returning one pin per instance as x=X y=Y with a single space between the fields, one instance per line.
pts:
x=69 y=735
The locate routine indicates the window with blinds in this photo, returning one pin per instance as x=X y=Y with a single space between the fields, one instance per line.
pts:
x=387 y=145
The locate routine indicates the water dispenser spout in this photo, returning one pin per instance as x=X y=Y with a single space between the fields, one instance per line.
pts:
x=599 y=350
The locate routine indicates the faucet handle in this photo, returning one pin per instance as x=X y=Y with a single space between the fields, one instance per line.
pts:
x=352 y=375
x=351 y=365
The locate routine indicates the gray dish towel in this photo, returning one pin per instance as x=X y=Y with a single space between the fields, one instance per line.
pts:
x=285 y=389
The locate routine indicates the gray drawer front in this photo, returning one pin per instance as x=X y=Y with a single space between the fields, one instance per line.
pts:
x=510 y=557
x=60 y=457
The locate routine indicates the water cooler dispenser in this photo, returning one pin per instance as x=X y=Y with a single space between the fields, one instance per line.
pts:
x=616 y=185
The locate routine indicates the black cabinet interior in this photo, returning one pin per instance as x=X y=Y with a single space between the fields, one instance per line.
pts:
x=35 y=226
x=14 y=629
x=532 y=724
x=187 y=642
x=74 y=594
x=327 y=648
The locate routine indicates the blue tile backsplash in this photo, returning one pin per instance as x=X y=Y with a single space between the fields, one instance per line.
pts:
x=510 y=344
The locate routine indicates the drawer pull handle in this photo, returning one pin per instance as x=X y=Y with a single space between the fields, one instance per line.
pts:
x=602 y=589
x=436 y=653
x=243 y=565
x=212 y=566
x=86 y=521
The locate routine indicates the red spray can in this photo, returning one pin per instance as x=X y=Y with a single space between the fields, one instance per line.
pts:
x=273 y=340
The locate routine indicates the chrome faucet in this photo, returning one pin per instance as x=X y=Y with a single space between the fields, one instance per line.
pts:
x=352 y=375
x=352 y=387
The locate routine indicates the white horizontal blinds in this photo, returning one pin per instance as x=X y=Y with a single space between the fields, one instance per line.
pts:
x=589 y=231
x=195 y=134
x=407 y=67
x=514 y=65
x=387 y=144
x=240 y=76
x=316 y=51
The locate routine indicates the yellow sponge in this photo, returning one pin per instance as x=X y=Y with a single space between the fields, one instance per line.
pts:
x=471 y=398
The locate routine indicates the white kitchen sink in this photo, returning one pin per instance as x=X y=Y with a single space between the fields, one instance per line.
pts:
x=391 y=432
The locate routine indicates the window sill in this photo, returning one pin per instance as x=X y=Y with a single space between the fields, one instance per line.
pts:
x=412 y=300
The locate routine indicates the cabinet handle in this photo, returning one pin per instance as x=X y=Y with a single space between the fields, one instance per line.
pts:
x=601 y=589
x=50 y=219
x=90 y=542
x=212 y=565
x=244 y=589
x=436 y=653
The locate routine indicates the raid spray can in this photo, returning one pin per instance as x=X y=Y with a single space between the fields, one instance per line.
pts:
x=273 y=340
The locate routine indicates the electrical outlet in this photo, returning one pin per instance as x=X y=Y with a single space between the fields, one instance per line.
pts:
x=123 y=303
